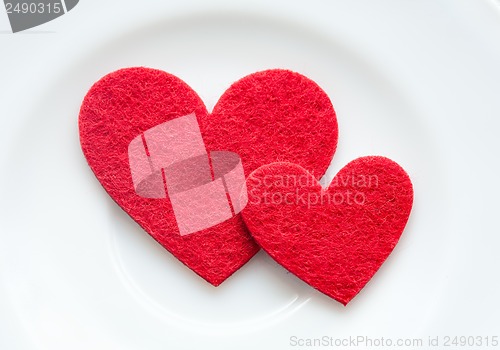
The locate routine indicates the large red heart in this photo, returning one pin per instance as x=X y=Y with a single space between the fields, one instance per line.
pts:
x=334 y=239
x=274 y=115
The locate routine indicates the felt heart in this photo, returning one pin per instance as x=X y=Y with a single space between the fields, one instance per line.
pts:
x=269 y=116
x=334 y=239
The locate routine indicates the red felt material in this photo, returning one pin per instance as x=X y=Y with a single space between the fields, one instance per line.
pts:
x=334 y=239
x=270 y=116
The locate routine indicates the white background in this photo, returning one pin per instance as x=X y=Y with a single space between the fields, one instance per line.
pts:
x=417 y=81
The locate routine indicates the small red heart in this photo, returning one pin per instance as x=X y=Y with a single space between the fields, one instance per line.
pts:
x=269 y=116
x=334 y=239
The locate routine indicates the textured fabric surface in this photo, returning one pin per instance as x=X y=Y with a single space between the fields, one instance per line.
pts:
x=269 y=116
x=334 y=239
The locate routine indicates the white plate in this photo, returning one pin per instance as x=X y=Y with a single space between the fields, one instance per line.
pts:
x=415 y=81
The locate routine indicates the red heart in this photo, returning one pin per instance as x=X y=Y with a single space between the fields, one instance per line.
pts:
x=274 y=115
x=334 y=239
